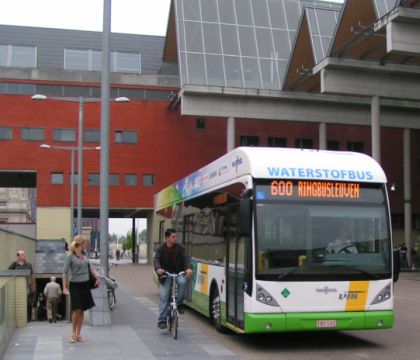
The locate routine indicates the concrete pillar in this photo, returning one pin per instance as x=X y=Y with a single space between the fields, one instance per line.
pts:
x=230 y=134
x=322 y=136
x=407 y=192
x=376 y=128
x=134 y=254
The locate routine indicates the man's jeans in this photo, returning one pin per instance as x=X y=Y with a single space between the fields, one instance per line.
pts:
x=165 y=293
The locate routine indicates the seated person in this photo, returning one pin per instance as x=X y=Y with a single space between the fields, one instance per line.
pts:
x=343 y=242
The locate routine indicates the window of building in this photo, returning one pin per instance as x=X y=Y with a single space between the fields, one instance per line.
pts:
x=130 y=179
x=33 y=134
x=64 y=135
x=85 y=91
x=114 y=179
x=277 y=142
x=125 y=137
x=158 y=95
x=397 y=221
x=91 y=60
x=304 y=143
x=249 y=140
x=57 y=178
x=17 y=88
x=126 y=62
x=6 y=133
x=88 y=60
x=92 y=136
x=356 y=146
x=148 y=179
x=18 y=56
x=93 y=179
x=333 y=145
x=200 y=124
x=76 y=91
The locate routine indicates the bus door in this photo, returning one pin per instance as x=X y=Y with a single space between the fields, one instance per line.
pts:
x=235 y=276
x=187 y=241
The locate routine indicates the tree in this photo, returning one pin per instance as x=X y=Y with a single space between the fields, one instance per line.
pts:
x=143 y=236
x=113 y=238
x=127 y=241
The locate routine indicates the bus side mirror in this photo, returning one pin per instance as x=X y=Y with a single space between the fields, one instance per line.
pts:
x=245 y=219
x=397 y=265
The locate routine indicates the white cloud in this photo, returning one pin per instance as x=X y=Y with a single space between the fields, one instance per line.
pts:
x=128 y=16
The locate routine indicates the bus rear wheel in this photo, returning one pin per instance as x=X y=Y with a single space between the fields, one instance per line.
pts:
x=216 y=311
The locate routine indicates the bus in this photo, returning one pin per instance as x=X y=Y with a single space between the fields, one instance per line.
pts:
x=285 y=240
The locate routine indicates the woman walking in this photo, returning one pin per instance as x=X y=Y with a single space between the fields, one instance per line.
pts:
x=77 y=262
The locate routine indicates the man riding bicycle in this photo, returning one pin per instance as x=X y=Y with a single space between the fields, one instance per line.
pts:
x=171 y=257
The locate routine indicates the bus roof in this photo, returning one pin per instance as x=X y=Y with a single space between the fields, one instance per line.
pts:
x=274 y=163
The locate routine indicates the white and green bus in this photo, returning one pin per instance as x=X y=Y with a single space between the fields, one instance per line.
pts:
x=263 y=228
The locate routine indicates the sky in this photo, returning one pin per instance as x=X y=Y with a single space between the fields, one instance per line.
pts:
x=148 y=17
x=121 y=226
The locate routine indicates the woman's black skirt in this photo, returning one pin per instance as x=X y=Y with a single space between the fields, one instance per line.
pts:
x=80 y=296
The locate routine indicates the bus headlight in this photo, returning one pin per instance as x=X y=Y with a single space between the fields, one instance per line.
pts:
x=265 y=297
x=383 y=295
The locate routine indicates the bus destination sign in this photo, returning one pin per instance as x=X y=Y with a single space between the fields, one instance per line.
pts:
x=315 y=189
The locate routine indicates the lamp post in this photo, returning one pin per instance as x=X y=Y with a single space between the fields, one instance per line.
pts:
x=80 y=147
x=72 y=149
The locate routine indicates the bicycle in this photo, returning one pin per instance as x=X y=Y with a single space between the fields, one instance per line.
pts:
x=172 y=307
x=111 y=285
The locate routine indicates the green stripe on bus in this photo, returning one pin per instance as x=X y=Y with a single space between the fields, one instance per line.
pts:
x=262 y=323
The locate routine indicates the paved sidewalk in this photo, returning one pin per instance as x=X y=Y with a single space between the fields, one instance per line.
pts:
x=133 y=335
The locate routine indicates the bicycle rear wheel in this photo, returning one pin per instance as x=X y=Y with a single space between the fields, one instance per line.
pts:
x=174 y=325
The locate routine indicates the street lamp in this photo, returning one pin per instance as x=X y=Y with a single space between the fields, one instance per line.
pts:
x=81 y=102
x=72 y=149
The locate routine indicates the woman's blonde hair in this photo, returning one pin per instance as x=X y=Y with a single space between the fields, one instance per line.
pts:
x=77 y=241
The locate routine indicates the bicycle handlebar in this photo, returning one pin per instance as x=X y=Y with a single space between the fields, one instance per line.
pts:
x=172 y=274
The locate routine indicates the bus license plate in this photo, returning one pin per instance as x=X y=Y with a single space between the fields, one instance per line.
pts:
x=326 y=324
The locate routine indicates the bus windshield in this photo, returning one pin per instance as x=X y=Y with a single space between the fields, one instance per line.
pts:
x=310 y=231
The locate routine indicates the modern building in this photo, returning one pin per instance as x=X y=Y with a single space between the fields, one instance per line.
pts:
x=289 y=73
x=15 y=206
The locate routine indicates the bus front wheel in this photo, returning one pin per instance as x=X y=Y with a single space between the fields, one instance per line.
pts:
x=216 y=310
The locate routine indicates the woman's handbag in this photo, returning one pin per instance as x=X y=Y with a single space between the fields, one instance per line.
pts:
x=92 y=279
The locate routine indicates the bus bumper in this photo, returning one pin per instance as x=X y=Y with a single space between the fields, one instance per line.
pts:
x=326 y=321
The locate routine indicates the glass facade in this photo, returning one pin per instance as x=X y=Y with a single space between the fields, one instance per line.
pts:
x=321 y=23
x=240 y=43
x=382 y=7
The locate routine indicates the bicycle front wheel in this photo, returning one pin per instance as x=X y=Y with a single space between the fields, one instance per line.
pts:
x=111 y=299
x=174 y=325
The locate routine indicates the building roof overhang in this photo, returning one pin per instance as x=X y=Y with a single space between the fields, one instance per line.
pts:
x=294 y=106
x=349 y=77
x=381 y=58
